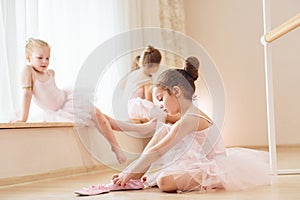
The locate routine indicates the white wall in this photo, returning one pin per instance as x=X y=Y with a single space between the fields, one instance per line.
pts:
x=286 y=63
x=230 y=31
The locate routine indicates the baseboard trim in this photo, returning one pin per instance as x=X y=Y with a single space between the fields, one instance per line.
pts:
x=266 y=147
x=6 y=182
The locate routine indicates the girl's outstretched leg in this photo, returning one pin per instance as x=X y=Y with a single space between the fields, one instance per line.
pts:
x=104 y=127
x=145 y=129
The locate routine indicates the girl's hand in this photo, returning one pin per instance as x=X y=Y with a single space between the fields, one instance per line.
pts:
x=119 y=180
x=123 y=178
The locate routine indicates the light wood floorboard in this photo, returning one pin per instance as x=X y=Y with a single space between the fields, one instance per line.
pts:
x=285 y=187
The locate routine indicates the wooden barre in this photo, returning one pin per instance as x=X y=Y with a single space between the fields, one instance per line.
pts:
x=283 y=29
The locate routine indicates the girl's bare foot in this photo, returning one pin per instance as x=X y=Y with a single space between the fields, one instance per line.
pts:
x=119 y=154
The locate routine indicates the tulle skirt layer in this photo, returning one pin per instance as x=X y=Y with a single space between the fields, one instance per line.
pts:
x=240 y=169
x=139 y=108
x=78 y=111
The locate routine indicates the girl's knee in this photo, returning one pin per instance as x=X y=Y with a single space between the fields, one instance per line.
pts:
x=166 y=184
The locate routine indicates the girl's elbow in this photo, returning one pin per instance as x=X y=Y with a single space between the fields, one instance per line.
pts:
x=156 y=153
x=27 y=93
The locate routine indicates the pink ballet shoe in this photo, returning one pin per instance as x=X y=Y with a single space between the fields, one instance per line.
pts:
x=92 y=190
x=130 y=185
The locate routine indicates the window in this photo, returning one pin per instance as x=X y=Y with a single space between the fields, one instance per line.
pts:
x=73 y=28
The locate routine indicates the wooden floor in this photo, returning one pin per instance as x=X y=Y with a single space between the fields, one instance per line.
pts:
x=284 y=187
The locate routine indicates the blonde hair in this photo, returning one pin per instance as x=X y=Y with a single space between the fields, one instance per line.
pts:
x=135 y=63
x=33 y=44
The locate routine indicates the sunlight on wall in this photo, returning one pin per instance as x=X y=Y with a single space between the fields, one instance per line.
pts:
x=204 y=97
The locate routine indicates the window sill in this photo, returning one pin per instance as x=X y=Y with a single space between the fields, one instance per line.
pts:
x=35 y=125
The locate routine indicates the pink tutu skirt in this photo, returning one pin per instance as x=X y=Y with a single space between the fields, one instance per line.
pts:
x=226 y=168
x=240 y=169
x=139 y=108
x=80 y=112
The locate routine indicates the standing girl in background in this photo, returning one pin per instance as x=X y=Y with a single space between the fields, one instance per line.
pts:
x=39 y=82
x=189 y=155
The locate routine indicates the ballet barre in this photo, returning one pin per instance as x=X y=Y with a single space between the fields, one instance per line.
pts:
x=268 y=37
x=283 y=29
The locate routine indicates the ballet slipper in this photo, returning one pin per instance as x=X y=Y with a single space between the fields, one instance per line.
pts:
x=130 y=185
x=92 y=190
x=101 y=188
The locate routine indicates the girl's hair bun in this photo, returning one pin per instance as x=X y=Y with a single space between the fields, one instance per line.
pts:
x=151 y=56
x=149 y=49
x=191 y=66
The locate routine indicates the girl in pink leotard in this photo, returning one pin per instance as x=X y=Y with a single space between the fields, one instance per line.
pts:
x=138 y=88
x=39 y=82
x=189 y=155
